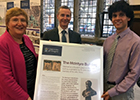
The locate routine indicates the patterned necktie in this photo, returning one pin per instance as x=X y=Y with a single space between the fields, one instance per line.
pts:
x=110 y=57
x=63 y=36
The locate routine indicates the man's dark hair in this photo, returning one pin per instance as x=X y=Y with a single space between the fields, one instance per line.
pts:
x=63 y=7
x=121 y=6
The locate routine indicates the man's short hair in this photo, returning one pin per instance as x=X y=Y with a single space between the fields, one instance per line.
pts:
x=64 y=7
x=121 y=6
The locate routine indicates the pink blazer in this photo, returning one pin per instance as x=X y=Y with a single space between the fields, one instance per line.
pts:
x=13 y=82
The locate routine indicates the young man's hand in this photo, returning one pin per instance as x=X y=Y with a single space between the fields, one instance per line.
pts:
x=105 y=96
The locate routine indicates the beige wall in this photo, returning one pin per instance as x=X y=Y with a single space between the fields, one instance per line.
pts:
x=134 y=2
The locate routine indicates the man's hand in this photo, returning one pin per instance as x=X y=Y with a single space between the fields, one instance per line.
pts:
x=105 y=96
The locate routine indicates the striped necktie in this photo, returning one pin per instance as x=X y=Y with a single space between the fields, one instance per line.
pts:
x=110 y=58
x=63 y=36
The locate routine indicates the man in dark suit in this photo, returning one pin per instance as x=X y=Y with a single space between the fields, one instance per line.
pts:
x=62 y=33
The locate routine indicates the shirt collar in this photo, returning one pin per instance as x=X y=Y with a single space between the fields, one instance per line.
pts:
x=123 y=33
x=60 y=29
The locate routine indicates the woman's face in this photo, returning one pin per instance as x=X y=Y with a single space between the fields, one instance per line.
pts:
x=17 y=25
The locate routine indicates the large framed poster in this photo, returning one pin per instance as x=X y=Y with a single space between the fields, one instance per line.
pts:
x=68 y=71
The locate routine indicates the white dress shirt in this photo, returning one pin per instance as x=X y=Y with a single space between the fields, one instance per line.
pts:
x=60 y=34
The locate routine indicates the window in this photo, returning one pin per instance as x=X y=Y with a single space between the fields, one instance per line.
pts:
x=87 y=17
x=48 y=15
x=85 y=22
x=107 y=27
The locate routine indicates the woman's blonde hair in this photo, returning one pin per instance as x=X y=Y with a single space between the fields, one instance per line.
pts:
x=15 y=12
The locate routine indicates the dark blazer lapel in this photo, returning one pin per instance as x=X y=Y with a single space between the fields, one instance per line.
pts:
x=70 y=36
x=56 y=35
x=74 y=37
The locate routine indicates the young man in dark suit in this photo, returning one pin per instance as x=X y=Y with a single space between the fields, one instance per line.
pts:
x=62 y=33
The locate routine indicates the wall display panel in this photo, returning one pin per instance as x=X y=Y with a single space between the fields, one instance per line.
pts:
x=34 y=20
x=3 y=7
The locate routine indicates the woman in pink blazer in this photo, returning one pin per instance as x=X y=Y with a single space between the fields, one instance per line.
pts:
x=18 y=59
